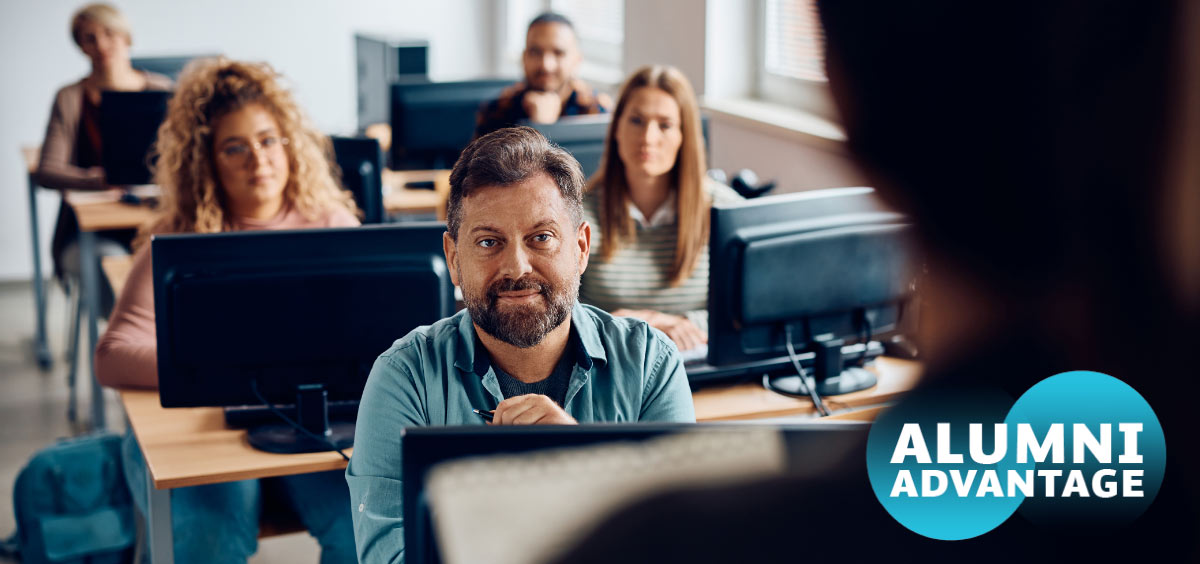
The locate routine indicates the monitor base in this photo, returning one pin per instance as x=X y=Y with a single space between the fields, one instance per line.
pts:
x=852 y=379
x=281 y=438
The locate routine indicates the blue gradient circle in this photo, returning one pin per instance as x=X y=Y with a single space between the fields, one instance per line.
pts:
x=1091 y=399
x=946 y=516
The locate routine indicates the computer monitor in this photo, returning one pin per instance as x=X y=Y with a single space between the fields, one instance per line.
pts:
x=280 y=317
x=808 y=445
x=827 y=267
x=167 y=66
x=433 y=122
x=382 y=61
x=361 y=162
x=584 y=137
x=128 y=128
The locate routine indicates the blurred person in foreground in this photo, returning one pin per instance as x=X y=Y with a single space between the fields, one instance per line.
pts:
x=1054 y=185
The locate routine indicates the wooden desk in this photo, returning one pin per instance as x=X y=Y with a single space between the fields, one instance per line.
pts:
x=99 y=211
x=398 y=199
x=749 y=400
x=103 y=211
x=191 y=447
x=116 y=270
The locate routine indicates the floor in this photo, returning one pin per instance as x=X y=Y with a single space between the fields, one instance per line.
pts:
x=33 y=407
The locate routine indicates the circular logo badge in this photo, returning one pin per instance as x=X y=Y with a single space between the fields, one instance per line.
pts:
x=1077 y=450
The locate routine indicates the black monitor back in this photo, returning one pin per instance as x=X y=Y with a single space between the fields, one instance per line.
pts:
x=584 y=137
x=382 y=61
x=432 y=122
x=286 y=308
x=170 y=67
x=818 y=261
x=128 y=128
x=361 y=162
x=809 y=446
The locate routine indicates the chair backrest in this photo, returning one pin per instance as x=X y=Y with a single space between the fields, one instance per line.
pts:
x=361 y=161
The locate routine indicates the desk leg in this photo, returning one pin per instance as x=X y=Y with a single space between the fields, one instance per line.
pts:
x=40 y=348
x=91 y=295
x=158 y=524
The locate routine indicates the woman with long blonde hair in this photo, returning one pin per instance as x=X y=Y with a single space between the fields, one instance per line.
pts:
x=649 y=206
x=234 y=153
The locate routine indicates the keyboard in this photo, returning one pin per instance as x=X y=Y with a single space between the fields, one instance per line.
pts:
x=695 y=356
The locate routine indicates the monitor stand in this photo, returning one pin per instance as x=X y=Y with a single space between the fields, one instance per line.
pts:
x=312 y=413
x=832 y=377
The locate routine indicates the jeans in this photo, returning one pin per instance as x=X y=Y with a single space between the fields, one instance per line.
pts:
x=218 y=523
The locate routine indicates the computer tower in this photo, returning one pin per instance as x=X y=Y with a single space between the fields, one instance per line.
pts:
x=381 y=62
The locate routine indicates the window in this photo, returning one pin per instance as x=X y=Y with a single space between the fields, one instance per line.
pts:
x=791 y=66
x=600 y=25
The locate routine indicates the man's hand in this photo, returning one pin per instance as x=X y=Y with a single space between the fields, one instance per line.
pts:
x=542 y=107
x=531 y=409
x=680 y=329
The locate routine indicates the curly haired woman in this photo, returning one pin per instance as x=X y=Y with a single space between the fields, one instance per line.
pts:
x=235 y=153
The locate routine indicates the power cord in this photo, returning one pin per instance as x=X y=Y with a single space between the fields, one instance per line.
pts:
x=805 y=389
x=866 y=337
x=295 y=425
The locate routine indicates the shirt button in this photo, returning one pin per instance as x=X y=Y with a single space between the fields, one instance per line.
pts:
x=361 y=506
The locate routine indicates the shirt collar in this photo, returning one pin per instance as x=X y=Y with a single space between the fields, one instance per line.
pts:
x=664 y=215
x=585 y=335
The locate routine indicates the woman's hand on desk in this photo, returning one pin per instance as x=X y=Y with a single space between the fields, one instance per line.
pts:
x=679 y=328
x=530 y=409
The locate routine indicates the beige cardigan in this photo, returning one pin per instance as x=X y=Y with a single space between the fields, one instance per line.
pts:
x=58 y=165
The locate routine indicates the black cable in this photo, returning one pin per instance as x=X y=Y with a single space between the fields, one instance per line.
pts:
x=295 y=425
x=810 y=391
x=866 y=338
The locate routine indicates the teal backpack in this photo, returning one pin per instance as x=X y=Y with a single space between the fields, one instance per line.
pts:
x=72 y=504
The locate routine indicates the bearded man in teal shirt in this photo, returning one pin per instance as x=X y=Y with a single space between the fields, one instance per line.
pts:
x=516 y=244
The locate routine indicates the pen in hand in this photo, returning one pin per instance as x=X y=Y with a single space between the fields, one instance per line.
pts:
x=485 y=414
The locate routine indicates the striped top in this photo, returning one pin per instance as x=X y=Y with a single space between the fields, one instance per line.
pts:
x=638 y=276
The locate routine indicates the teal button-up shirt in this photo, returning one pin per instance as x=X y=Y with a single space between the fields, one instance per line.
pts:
x=624 y=371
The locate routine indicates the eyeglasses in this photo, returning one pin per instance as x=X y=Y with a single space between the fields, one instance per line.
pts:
x=243 y=151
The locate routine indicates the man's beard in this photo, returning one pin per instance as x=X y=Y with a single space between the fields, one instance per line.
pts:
x=522 y=326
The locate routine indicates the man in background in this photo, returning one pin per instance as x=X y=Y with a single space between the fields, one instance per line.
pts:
x=551 y=88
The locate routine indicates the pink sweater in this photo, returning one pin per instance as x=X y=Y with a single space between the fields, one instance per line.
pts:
x=127 y=354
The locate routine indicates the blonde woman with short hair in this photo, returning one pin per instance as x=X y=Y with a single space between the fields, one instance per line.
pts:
x=71 y=151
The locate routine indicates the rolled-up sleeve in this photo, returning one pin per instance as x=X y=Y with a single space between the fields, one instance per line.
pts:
x=391 y=401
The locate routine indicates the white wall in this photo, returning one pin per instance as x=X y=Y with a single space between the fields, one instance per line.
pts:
x=794 y=164
x=309 y=41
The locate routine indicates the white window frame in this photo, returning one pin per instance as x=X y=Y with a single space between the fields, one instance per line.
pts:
x=805 y=95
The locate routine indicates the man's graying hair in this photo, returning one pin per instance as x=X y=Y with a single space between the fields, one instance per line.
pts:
x=507 y=156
